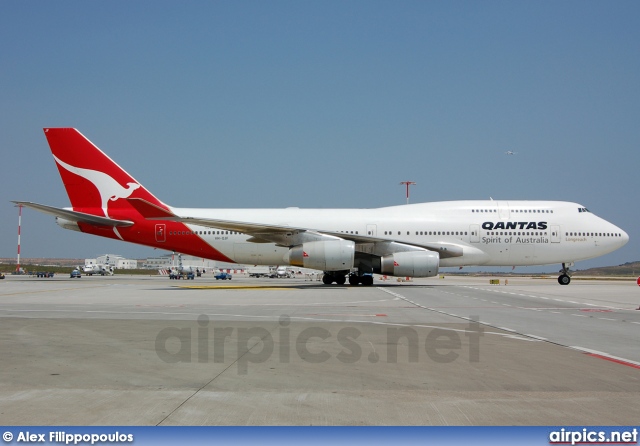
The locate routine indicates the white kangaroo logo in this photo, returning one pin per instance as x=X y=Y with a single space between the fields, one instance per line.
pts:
x=109 y=189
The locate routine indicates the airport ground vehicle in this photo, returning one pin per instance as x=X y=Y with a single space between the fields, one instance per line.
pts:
x=43 y=274
x=186 y=275
x=282 y=272
x=75 y=274
x=102 y=270
x=223 y=276
x=259 y=271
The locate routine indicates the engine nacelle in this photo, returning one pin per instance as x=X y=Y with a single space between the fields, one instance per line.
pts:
x=67 y=224
x=330 y=255
x=411 y=264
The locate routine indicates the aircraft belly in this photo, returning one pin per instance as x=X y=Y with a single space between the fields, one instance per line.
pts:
x=470 y=256
x=522 y=254
x=498 y=254
x=258 y=253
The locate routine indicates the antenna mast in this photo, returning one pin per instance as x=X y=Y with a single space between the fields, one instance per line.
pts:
x=408 y=183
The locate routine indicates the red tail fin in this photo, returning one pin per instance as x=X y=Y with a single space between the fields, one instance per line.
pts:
x=95 y=183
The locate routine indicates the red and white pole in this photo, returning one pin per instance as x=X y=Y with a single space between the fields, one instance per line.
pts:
x=19 y=230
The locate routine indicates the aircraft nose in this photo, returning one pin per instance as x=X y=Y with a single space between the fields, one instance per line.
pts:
x=625 y=237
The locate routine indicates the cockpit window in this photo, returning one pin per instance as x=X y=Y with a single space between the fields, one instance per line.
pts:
x=583 y=210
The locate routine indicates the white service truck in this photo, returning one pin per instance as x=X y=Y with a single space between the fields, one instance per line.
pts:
x=259 y=271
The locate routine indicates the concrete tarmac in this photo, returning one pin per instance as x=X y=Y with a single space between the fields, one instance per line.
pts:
x=128 y=350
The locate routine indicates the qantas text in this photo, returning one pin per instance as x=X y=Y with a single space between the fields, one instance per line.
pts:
x=522 y=225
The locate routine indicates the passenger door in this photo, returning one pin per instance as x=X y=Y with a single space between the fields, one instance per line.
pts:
x=554 y=231
x=474 y=233
x=161 y=232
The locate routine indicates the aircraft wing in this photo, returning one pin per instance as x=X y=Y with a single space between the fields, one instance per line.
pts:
x=79 y=217
x=263 y=233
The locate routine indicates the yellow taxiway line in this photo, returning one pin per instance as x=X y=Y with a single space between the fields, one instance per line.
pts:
x=235 y=287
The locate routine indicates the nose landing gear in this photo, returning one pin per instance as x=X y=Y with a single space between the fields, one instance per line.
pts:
x=565 y=276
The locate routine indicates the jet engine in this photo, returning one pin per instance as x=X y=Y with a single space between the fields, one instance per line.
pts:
x=330 y=255
x=411 y=264
x=67 y=224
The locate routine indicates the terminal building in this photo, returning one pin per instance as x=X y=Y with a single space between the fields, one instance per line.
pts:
x=167 y=261
x=113 y=260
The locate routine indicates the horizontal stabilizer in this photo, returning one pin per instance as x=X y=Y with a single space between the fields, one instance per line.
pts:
x=79 y=217
x=150 y=211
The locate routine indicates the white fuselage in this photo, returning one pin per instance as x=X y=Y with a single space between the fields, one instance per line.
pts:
x=495 y=233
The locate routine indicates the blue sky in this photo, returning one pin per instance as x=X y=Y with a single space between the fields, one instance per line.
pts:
x=323 y=104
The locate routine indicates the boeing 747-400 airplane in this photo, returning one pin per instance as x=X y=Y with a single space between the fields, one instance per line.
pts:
x=347 y=244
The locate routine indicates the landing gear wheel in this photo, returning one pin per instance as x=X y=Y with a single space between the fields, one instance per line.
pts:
x=354 y=279
x=367 y=280
x=327 y=279
x=564 y=278
x=340 y=280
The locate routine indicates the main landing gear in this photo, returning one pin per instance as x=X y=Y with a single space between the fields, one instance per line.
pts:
x=341 y=278
x=365 y=279
x=331 y=277
x=565 y=278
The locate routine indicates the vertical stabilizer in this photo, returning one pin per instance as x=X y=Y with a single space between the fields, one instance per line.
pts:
x=94 y=182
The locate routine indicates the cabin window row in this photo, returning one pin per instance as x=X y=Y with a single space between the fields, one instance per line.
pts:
x=517 y=211
x=592 y=234
x=430 y=233
x=202 y=232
